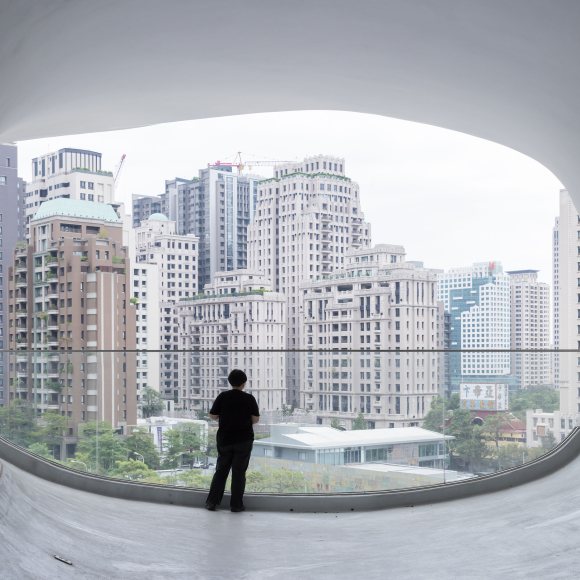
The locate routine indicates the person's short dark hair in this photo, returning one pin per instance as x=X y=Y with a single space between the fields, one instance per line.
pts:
x=237 y=378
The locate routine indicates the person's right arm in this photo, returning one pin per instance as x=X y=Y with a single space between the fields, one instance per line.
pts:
x=255 y=419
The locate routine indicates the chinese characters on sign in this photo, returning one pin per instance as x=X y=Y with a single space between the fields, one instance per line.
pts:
x=484 y=396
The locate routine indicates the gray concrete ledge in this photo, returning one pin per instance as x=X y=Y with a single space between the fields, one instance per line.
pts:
x=555 y=459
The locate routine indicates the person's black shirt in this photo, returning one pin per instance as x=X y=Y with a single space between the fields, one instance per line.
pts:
x=235 y=409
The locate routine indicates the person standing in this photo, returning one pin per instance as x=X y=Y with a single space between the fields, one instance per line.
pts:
x=236 y=412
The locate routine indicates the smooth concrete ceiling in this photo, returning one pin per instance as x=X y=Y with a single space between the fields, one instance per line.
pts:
x=504 y=71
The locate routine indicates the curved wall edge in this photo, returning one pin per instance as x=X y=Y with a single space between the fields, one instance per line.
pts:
x=553 y=460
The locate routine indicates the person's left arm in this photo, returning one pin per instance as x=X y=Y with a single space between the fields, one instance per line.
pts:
x=255 y=411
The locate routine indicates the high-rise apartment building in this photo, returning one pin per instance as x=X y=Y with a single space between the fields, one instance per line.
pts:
x=567 y=305
x=165 y=272
x=145 y=298
x=238 y=322
x=11 y=230
x=530 y=329
x=307 y=217
x=217 y=206
x=68 y=173
x=69 y=290
x=478 y=301
x=145 y=206
x=376 y=302
x=556 y=299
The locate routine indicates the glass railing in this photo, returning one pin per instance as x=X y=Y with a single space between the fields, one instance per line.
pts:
x=332 y=421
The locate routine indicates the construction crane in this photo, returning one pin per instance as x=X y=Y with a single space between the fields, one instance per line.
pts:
x=240 y=165
x=118 y=170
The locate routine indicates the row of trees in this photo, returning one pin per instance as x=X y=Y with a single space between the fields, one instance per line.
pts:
x=99 y=447
x=476 y=445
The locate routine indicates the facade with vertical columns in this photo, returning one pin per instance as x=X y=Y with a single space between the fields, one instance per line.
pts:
x=377 y=302
x=307 y=217
x=238 y=322
x=69 y=290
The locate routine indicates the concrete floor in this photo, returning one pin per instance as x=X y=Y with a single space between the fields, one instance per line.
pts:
x=529 y=531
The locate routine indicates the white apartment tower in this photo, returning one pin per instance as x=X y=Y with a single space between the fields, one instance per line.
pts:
x=237 y=323
x=530 y=316
x=478 y=300
x=376 y=302
x=68 y=173
x=307 y=217
x=567 y=305
x=164 y=273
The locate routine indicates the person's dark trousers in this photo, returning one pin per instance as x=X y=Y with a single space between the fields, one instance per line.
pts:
x=236 y=457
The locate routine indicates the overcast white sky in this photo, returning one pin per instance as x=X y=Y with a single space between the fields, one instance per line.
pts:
x=449 y=198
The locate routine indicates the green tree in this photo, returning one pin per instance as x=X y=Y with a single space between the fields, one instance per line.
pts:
x=468 y=444
x=17 y=422
x=151 y=403
x=256 y=481
x=100 y=448
x=140 y=441
x=545 y=398
x=131 y=469
x=360 y=423
x=492 y=429
x=183 y=444
x=195 y=478
x=50 y=429
x=440 y=412
x=284 y=481
x=41 y=449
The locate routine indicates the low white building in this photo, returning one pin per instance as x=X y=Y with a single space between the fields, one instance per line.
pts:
x=540 y=425
x=329 y=446
x=158 y=426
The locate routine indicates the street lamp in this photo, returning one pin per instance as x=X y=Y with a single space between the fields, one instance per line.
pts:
x=140 y=457
x=81 y=462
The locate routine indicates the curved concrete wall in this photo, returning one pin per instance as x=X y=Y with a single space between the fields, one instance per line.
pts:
x=558 y=457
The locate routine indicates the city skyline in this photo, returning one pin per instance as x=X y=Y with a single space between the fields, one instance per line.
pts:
x=444 y=187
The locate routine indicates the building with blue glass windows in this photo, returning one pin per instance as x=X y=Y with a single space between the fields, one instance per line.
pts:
x=477 y=299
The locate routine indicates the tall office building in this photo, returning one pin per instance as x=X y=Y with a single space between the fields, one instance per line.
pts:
x=217 y=206
x=11 y=230
x=478 y=301
x=375 y=301
x=530 y=320
x=307 y=217
x=567 y=305
x=69 y=288
x=165 y=272
x=68 y=173
x=238 y=322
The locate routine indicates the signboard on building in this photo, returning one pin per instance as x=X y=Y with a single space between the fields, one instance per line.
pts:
x=484 y=396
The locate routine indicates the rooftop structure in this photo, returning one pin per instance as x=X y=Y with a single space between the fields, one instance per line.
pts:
x=325 y=445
